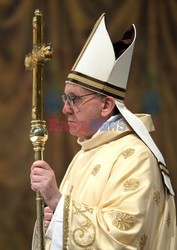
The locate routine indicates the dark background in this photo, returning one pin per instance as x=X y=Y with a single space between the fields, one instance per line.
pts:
x=152 y=88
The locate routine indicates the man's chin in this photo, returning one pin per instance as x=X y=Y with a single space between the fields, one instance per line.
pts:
x=73 y=130
x=74 y=127
x=78 y=129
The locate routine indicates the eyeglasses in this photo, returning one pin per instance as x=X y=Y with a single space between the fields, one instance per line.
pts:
x=72 y=99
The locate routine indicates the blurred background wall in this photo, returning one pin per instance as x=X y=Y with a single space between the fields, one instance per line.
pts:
x=152 y=88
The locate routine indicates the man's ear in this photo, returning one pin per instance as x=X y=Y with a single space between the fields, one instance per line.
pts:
x=108 y=106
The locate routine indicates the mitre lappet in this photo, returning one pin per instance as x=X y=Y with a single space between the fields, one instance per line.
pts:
x=103 y=67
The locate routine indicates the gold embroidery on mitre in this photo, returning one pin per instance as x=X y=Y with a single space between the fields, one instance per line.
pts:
x=96 y=169
x=131 y=184
x=142 y=241
x=168 y=219
x=123 y=221
x=79 y=235
x=156 y=197
x=128 y=152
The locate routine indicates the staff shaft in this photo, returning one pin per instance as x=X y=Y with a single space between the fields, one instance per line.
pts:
x=38 y=116
x=38 y=133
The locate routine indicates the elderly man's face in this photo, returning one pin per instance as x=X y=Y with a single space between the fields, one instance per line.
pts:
x=85 y=109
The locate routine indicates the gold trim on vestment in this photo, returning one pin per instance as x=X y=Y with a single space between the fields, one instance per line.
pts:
x=156 y=197
x=123 y=221
x=142 y=242
x=66 y=221
x=128 y=152
x=131 y=184
x=81 y=231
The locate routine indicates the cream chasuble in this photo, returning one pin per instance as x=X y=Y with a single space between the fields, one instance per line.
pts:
x=114 y=196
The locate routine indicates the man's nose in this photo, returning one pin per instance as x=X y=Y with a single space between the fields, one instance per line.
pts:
x=67 y=108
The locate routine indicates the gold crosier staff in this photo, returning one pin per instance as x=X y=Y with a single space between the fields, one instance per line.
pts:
x=38 y=133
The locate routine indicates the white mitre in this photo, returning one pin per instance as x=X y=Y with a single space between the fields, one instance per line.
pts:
x=104 y=67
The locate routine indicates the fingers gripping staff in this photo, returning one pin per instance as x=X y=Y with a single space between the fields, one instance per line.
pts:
x=38 y=133
x=43 y=179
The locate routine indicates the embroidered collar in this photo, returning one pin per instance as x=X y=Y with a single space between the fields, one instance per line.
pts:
x=113 y=129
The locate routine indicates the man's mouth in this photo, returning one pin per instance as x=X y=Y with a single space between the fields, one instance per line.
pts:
x=72 y=122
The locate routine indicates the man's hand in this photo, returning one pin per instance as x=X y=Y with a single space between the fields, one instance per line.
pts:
x=43 y=179
x=48 y=213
